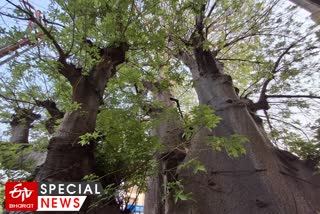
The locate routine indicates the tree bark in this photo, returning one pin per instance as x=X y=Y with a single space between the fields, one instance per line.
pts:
x=21 y=124
x=262 y=181
x=67 y=160
x=54 y=112
x=169 y=132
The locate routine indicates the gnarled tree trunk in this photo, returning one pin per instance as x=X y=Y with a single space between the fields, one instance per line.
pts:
x=21 y=124
x=67 y=160
x=169 y=132
x=265 y=180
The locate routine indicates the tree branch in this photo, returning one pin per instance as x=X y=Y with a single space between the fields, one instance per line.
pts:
x=68 y=70
x=245 y=90
x=178 y=106
x=14 y=17
x=293 y=96
x=292 y=125
x=263 y=91
x=8 y=99
x=241 y=60
x=44 y=29
x=212 y=8
x=200 y=19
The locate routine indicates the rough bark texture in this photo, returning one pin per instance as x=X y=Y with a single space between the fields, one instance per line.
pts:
x=169 y=132
x=20 y=125
x=24 y=159
x=54 y=112
x=265 y=180
x=66 y=159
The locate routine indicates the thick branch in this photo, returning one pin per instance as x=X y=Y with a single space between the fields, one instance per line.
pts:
x=197 y=37
x=24 y=116
x=200 y=20
x=212 y=8
x=111 y=57
x=21 y=124
x=264 y=89
x=54 y=112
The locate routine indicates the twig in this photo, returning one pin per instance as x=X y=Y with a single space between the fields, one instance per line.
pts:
x=293 y=96
x=178 y=105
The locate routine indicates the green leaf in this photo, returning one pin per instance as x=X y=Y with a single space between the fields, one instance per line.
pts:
x=233 y=144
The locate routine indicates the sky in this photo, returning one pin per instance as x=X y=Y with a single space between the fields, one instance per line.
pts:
x=41 y=5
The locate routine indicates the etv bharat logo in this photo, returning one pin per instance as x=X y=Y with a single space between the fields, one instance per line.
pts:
x=23 y=193
x=34 y=196
x=21 y=196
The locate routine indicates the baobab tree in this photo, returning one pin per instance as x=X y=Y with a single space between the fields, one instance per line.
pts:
x=265 y=180
x=90 y=44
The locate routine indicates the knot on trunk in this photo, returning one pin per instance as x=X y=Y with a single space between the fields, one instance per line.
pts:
x=261 y=204
x=255 y=106
x=116 y=54
x=261 y=105
x=207 y=62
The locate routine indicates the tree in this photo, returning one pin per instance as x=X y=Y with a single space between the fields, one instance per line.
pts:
x=262 y=181
x=169 y=130
x=78 y=46
x=87 y=79
x=86 y=43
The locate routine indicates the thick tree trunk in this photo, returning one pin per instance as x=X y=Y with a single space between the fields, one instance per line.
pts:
x=265 y=180
x=67 y=160
x=21 y=124
x=169 y=131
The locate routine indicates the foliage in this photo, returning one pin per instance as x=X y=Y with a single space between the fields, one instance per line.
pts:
x=306 y=149
x=125 y=152
x=13 y=164
x=109 y=192
x=2 y=196
x=199 y=117
x=176 y=189
x=233 y=144
x=88 y=138
x=13 y=158
x=194 y=164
